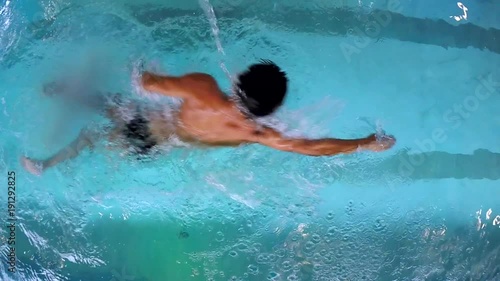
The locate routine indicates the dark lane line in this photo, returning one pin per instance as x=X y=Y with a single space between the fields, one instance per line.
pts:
x=379 y=24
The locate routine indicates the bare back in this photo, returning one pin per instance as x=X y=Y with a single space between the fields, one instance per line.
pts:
x=219 y=123
x=214 y=120
x=207 y=116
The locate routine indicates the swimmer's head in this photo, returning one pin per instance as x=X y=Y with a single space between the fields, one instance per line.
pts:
x=262 y=88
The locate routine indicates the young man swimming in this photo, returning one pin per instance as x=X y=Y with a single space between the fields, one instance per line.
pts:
x=206 y=117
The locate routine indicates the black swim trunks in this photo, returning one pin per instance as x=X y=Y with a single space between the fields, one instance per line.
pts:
x=138 y=134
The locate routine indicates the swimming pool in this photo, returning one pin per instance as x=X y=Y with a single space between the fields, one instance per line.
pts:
x=426 y=210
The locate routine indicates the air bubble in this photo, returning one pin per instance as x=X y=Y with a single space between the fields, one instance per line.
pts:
x=272 y=276
x=379 y=225
x=349 y=208
x=253 y=269
x=292 y=277
x=328 y=259
x=287 y=265
x=256 y=247
x=233 y=254
x=309 y=247
x=262 y=258
x=219 y=237
x=317 y=267
x=315 y=238
x=330 y=216
x=242 y=247
x=331 y=231
x=266 y=258
x=280 y=253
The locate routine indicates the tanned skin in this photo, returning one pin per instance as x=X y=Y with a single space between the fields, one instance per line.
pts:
x=207 y=117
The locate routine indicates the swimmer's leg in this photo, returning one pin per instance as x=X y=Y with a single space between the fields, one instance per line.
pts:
x=85 y=139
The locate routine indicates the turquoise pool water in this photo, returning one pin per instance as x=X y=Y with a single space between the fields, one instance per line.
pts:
x=429 y=209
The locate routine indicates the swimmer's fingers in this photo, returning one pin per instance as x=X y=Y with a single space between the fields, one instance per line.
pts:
x=380 y=142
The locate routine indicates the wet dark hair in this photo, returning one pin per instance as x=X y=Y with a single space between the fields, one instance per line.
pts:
x=262 y=88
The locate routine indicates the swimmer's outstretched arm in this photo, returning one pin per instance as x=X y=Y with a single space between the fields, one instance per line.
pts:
x=323 y=147
x=189 y=86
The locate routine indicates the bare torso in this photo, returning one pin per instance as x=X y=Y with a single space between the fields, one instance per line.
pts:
x=208 y=117
x=219 y=123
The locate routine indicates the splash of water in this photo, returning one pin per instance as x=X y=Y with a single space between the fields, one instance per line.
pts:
x=209 y=12
x=380 y=133
x=137 y=70
x=377 y=126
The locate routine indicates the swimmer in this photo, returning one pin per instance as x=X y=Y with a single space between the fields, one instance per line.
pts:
x=206 y=117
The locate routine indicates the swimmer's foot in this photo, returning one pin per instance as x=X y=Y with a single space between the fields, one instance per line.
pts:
x=380 y=142
x=32 y=166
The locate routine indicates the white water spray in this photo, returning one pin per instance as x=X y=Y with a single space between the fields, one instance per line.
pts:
x=209 y=12
x=380 y=132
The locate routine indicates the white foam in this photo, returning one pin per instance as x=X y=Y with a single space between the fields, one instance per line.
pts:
x=137 y=88
x=209 y=12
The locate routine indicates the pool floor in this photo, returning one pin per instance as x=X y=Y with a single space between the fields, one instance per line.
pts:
x=425 y=210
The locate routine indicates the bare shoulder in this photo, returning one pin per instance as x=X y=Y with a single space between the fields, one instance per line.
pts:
x=202 y=83
x=200 y=77
x=192 y=86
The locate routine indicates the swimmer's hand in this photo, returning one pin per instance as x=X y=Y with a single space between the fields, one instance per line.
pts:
x=379 y=142
x=160 y=84
x=149 y=82
x=322 y=147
